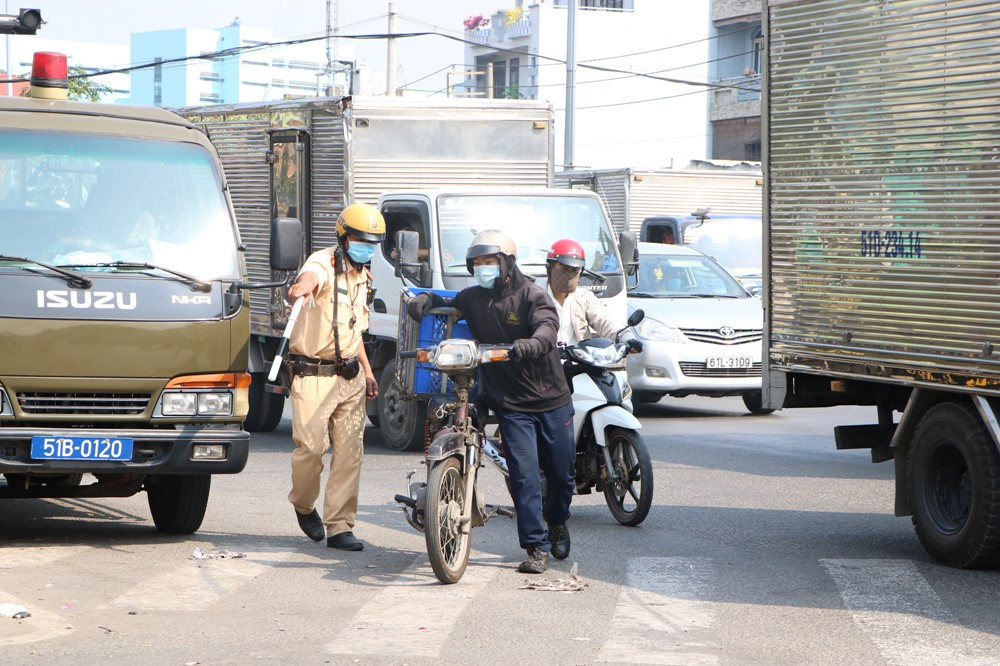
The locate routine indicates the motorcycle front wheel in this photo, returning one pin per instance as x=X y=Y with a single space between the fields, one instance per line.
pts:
x=629 y=492
x=447 y=547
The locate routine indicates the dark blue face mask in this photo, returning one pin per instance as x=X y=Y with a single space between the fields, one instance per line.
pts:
x=361 y=252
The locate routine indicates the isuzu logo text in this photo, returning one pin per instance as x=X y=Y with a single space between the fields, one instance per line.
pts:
x=85 y=300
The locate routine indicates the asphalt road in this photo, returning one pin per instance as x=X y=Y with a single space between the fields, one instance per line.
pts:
x=765 y=545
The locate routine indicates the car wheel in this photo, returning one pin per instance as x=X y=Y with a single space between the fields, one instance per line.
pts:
x=754 y=401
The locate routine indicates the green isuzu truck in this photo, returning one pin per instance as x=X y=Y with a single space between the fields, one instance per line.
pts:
x=123 y=322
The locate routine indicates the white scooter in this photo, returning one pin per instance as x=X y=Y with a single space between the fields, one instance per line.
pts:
x=610 y=453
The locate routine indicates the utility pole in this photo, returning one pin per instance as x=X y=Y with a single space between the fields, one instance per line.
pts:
x=10 y=75
x=329 y=59
x=390 y=56
x=570 y=82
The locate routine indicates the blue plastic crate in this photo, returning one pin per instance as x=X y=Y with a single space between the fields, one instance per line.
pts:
x=431 y=330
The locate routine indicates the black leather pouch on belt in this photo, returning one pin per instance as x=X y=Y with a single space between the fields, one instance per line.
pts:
x=346 y=368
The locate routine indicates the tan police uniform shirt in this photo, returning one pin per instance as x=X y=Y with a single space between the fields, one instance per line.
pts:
x=313 y=332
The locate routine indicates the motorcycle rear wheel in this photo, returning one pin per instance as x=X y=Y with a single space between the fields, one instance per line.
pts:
x=447 y=547
x=631 y=496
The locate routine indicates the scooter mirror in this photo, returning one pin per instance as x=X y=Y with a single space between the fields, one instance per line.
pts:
x=636 y=317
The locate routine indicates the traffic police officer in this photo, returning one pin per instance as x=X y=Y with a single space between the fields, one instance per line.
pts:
x=328 y=388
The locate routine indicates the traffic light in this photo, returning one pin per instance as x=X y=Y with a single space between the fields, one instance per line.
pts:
x=26 y=22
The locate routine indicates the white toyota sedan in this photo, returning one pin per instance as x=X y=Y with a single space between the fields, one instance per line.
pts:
x=702 y=330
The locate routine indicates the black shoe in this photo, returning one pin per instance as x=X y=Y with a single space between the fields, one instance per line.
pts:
x=537 y=562
x=312 y=525
x=345 y=541
x=559 y=538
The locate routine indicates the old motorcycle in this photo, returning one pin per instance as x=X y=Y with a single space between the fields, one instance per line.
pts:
x=451 y=503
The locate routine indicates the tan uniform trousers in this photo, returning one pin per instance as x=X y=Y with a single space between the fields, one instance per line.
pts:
x=325 y=408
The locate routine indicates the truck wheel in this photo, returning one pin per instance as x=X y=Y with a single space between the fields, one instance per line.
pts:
x=178 y=502
x=265 y=409
x=754 y=401
x=402 y=420
x=953 y=477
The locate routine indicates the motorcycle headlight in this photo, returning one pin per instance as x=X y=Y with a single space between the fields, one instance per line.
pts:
x=650 y=329
x=456 y=355
x=600 y=357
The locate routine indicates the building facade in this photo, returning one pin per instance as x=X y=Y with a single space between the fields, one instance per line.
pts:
x=182 y=73
x=640 y=98
x=736 y=52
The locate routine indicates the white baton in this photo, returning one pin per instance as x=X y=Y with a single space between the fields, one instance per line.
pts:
x=283 y=343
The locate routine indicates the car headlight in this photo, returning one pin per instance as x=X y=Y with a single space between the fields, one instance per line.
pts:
x=650 y=329
x=456 y=355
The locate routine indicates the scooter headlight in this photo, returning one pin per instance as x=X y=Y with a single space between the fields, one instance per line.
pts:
x=456 y=355
x=599 y=357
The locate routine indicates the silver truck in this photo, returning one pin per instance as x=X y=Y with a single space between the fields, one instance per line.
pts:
x=882 y=219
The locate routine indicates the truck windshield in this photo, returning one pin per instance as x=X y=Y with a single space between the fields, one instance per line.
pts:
x=75 y=200
x=735 y=243
x=534 y=222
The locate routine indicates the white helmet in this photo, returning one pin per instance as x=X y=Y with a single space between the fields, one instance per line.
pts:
x=491 y=241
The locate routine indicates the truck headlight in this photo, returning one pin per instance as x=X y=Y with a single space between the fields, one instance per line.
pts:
x=215 y=404
x=179 y=404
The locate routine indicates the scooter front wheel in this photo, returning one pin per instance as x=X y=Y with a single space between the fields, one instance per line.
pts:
x=447 y=546
x=629 y=488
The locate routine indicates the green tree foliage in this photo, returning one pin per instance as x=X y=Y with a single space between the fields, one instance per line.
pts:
x=81 y=87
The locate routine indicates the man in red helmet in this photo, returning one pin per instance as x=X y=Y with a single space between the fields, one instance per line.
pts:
x=579 y=309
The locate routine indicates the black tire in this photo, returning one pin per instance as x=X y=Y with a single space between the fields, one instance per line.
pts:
x=402 y=421
x=177 y=502
x=754 y=401
x=953 y=477
x=447 y=547
x=630 y=499
x=265 y=408
x=647 y=397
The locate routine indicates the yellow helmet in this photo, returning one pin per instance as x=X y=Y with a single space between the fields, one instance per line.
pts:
x=363 y=221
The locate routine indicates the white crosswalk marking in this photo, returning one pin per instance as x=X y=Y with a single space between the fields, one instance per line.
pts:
x=197 y=584
x=897 y=609
x=664 y=613
x=35 y=556
x=403 y=619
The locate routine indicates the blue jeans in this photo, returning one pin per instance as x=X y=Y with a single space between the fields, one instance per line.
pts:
x=534 y=440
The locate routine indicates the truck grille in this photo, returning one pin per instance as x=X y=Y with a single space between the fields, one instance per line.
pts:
x=96 y=404
x=702 y=370
x=724 y=335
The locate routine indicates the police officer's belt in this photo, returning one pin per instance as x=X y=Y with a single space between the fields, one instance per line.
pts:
x=307 y=366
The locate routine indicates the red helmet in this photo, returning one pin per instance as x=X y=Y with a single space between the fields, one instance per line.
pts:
x=568 y=253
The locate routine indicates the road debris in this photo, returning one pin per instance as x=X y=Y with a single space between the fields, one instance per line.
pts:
x=216 y=554
x=571 y=584
x=14 y=611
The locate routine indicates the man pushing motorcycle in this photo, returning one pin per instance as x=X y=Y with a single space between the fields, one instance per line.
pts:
x=529 y=395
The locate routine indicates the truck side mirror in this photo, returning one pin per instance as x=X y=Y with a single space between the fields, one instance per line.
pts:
x=629 y=248
x=408 y=249
x=286 y=244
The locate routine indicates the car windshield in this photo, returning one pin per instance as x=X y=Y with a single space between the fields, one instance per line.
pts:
x=76 y=200
x=734 y=243
x=533 y=222
x=684 y=276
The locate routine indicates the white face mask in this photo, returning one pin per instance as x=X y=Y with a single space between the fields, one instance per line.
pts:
x=486 y=275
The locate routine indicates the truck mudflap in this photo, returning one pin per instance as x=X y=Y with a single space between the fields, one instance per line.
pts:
x=153 y=452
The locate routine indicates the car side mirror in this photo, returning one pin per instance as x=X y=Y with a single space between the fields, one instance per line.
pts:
x=286 y=244
x=409 y=266
x=628 y=245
